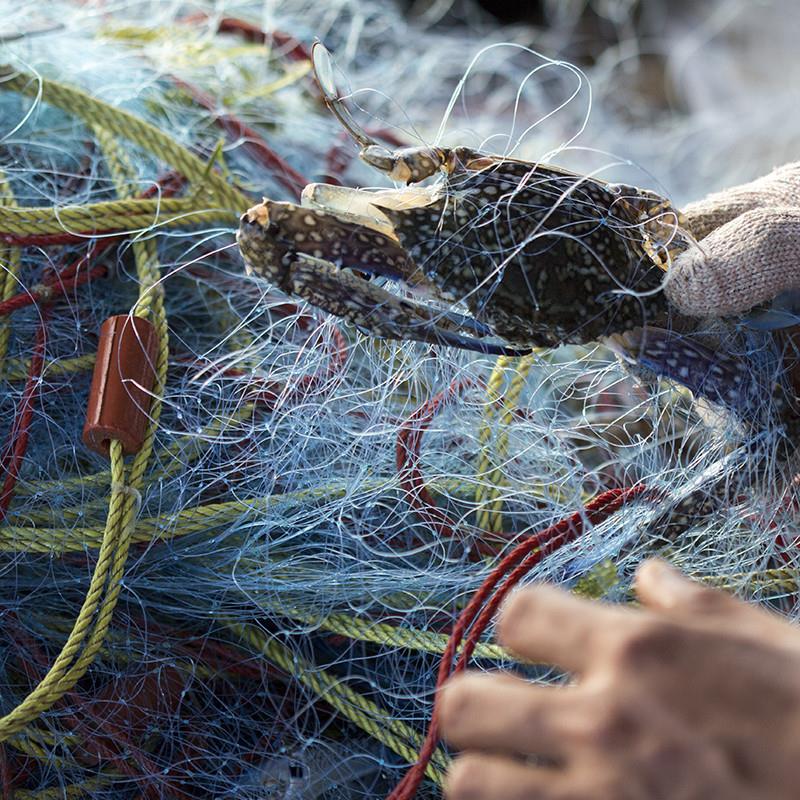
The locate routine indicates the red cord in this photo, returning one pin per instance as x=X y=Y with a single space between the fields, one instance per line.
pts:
x=482 y=607
x=407 y=451
x=18 y=436
x=17 y=443
x=45 y=239
x=73 y=275
x=69 y=277
x=5 y=773
x=295 y=50
x=270 y=393
x=109 y=740
x=49 y=291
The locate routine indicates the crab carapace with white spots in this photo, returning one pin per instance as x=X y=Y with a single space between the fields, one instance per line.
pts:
x=537 y=256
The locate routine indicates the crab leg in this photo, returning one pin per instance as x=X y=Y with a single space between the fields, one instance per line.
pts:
x=729 y=381
x=408 y=164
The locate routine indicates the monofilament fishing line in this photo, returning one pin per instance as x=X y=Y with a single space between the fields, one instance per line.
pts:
x=245 y=576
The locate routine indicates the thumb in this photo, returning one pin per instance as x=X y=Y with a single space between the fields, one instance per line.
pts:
x=662 y=588
x=746 y=262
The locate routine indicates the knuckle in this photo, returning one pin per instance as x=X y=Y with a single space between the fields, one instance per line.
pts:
x=668 y=756
x=535 y=721
x=454 y=705
x=604 y=788
x=527 y=609
x=705 y=599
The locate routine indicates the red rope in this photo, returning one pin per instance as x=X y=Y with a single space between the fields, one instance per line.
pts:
x=52 y=287
x=407 y=450
x=294 y=49
x=483 y=606
x=44 y=239
x=18 y=436
x=270 y=394
x=73 y=275
x=5 y=773
x=109 y=740
x=55 y=288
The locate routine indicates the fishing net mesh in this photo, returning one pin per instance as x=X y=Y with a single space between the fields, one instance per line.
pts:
x=257 y=603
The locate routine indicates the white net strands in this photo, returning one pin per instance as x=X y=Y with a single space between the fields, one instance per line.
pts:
x=256 y=603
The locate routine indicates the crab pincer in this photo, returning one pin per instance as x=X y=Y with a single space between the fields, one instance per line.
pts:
x=316 y=256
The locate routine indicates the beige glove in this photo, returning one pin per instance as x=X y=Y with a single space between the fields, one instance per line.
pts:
x=748 y=251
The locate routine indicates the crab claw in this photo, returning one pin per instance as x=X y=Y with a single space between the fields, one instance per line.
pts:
x=379 y=313
x=272 y=234
x=783 y=312
x=306 y=252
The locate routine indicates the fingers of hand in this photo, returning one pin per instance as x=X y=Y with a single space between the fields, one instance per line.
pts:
x=747 y=261
x=486 y=777
x=662 y=588
x=550 y=625
x=502 y=713
x=781 y=187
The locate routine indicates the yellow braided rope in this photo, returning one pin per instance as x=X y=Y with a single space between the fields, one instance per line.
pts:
x=174 y=456
x=37 y=538
x=386 y=634
x=172 y=459
x=63 y=793
x=210 y=186
x=129 y=216
x=364 y=713
x=94 y=618
x=81 y=644
x=489 y=473
x=10 y=262
x=17 y=370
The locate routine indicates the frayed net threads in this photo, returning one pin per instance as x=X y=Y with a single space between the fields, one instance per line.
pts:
x=316 y=508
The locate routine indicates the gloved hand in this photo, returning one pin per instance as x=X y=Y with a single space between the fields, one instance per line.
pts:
x=749 y=247
x=696 y=696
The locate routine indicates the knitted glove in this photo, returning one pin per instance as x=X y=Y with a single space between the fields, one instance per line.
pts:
x=748 y=251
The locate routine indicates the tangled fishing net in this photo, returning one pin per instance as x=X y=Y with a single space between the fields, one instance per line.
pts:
x=258 y=602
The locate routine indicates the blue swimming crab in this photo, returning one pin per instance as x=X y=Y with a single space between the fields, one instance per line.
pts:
x=529 y=253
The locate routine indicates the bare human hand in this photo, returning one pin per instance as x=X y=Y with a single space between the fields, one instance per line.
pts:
x=696 y=696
